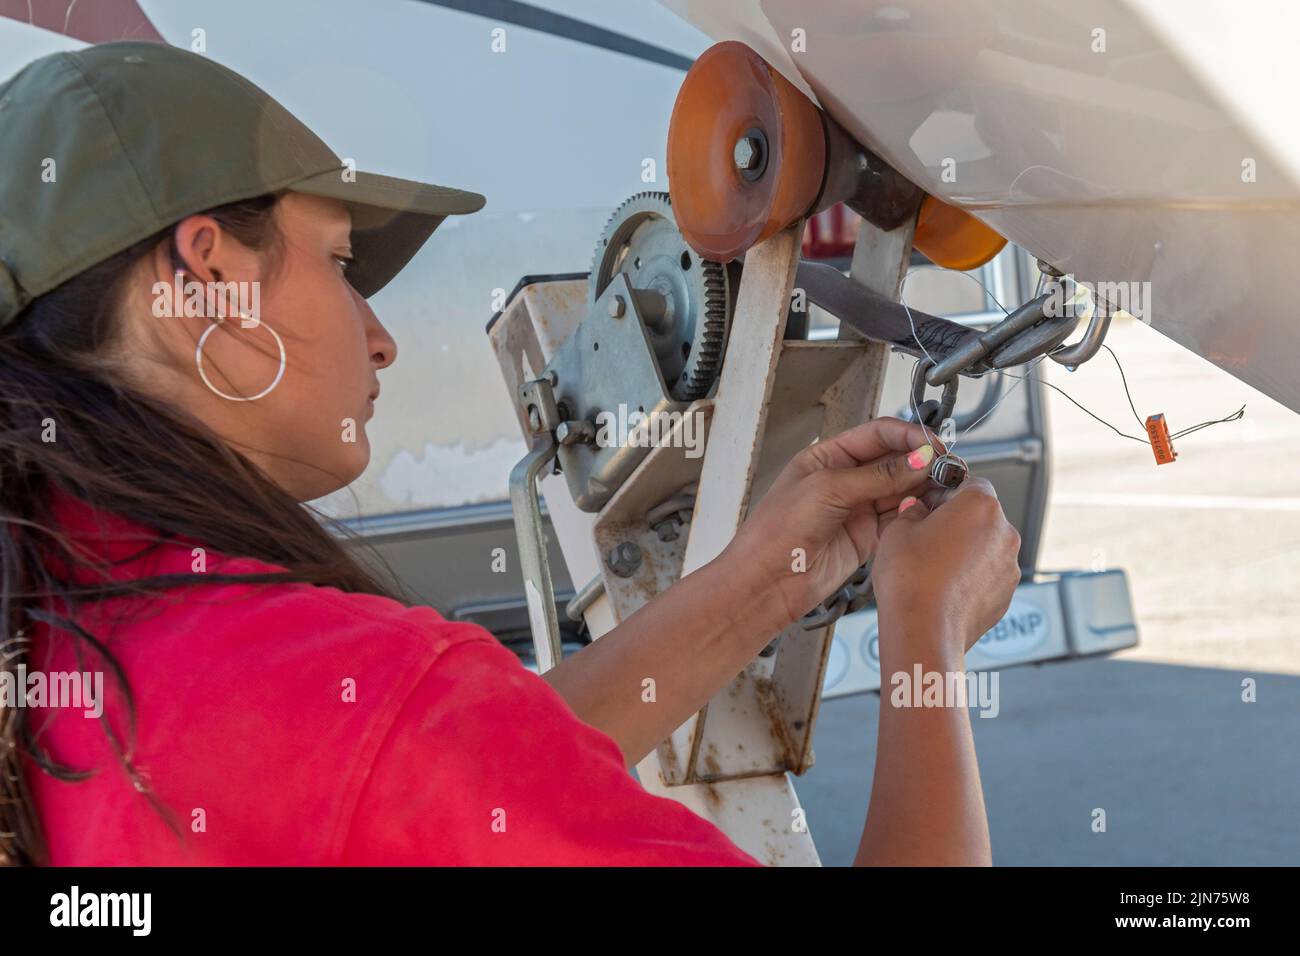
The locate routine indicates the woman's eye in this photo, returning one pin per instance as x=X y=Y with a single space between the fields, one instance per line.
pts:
x=344 y=262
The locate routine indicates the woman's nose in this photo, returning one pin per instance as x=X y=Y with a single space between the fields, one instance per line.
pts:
x=383 y=349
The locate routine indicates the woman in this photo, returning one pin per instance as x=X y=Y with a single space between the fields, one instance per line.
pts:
x=267 y=699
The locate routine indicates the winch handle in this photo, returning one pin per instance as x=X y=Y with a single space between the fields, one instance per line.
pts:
x=537 y=402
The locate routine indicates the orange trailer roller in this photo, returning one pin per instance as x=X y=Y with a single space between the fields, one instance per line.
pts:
x=746 y=152
x=749 y=154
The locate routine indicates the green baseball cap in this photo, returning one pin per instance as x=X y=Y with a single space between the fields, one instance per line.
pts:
x=105 y=146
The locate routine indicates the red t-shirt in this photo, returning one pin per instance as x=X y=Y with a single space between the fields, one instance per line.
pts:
x=302 y=725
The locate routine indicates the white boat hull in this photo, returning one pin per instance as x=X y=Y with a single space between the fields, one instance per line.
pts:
x=1123 y=141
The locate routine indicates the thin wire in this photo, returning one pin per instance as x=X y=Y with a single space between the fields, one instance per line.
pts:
x=902 y=299
x=1145 y=441
x=1005 y=396
x=1127 y=393
x=1038 y=288
x=1235 y=416
x=916 y=411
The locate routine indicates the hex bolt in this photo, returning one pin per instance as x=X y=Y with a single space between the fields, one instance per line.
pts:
x=746 y=153
x=750 y=154
x=624 y=559
x=573 y=433
x=667 y=529
x=617 y=307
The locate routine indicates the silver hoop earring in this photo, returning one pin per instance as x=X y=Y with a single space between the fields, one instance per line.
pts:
x=198 y=361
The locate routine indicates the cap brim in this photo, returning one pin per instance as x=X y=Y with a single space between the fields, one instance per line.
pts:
x=391 y=218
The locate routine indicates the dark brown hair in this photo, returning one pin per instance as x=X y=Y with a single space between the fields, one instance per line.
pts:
x=123 y=452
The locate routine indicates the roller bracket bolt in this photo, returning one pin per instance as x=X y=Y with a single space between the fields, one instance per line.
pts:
x=750 y=154
x=624 y=560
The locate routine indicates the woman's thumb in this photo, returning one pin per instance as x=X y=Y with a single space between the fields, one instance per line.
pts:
x=909 y=509
x=912 y=509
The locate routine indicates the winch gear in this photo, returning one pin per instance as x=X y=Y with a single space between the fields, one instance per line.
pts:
x=684 y=300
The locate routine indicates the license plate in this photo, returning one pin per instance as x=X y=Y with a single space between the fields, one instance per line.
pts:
x=1074 y=614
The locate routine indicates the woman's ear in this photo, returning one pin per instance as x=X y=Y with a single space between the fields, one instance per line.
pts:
x=197 y=242
x=210 y=253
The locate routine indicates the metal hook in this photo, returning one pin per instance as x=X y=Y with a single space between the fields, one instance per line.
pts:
x=1075 y=355
x=930 y=412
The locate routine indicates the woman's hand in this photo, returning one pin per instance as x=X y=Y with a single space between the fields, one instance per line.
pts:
x=821 y=518
x=944 y=574
x=945 y=570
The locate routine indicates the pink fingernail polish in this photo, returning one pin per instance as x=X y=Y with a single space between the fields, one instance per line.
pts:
x=918 y=459
x=906 y=503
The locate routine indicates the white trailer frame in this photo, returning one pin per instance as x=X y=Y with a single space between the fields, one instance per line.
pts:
x=731 y=762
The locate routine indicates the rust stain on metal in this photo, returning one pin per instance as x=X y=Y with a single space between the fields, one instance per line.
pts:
x=667 y=756
x=712 y=796
x=710 y=761
x=564 y=298
x=765 y=692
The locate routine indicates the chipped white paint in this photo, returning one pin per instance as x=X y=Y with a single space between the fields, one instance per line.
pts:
x=449 y=475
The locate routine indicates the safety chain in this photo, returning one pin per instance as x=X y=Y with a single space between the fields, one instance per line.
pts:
x=853 y=595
